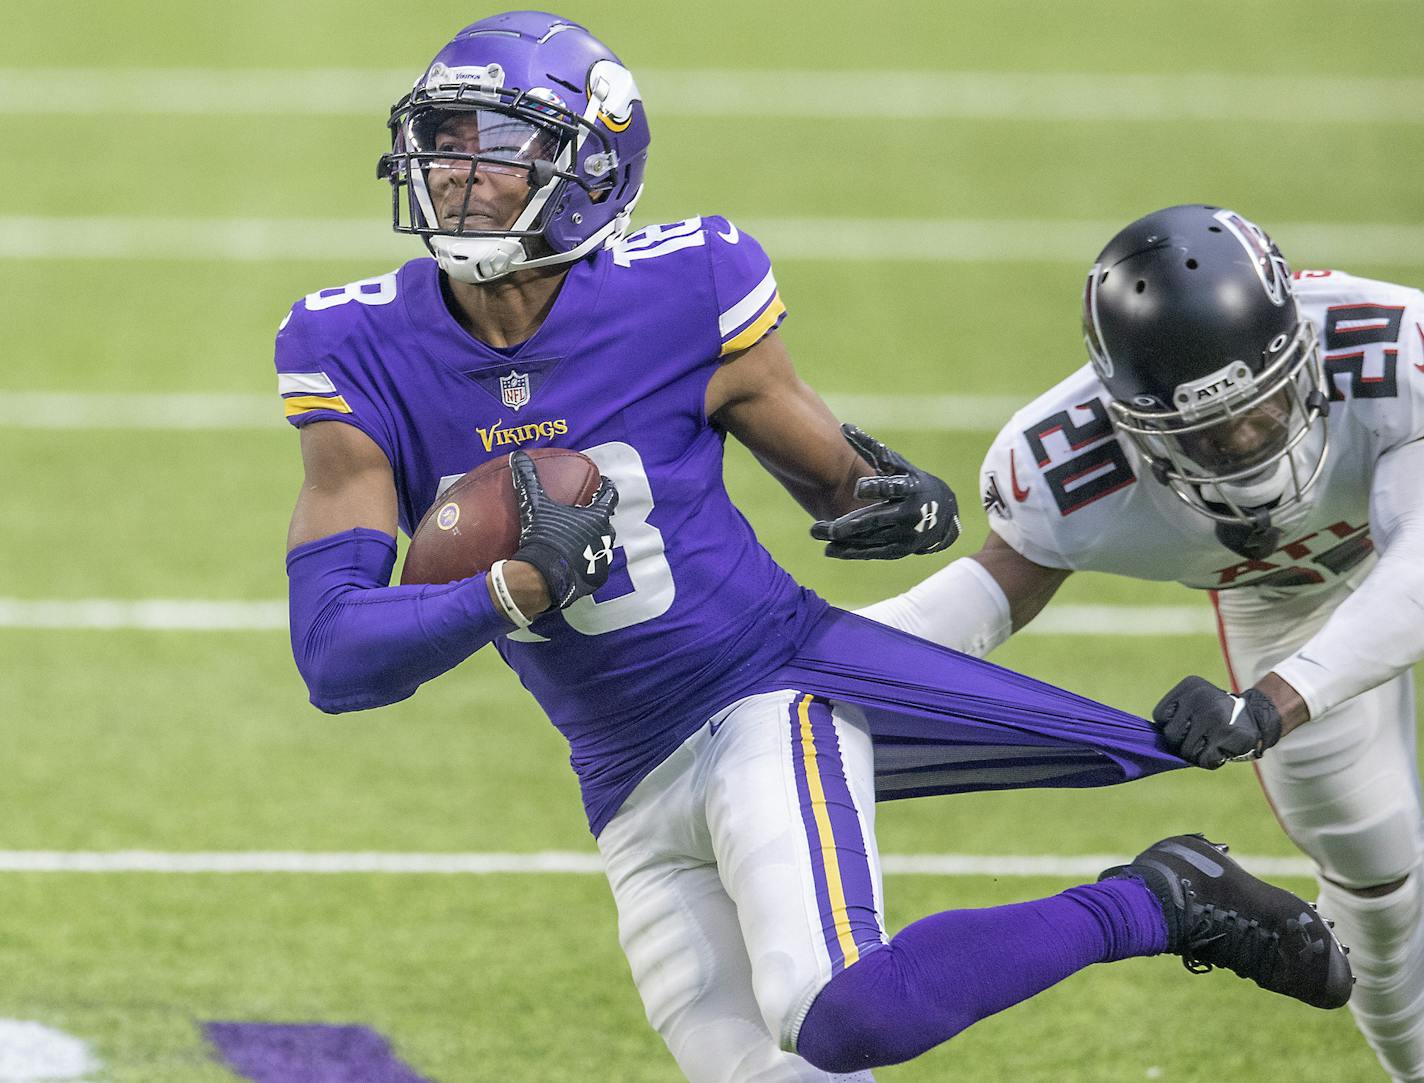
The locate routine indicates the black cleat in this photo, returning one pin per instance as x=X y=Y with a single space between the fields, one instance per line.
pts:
x=1218 y=914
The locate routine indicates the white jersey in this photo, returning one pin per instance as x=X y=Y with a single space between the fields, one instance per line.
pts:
x=1061 y=488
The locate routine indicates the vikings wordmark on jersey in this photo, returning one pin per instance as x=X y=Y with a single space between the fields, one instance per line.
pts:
x=619 y=371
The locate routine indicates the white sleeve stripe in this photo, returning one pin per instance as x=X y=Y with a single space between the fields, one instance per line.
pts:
x=304 y=383
x=748 y=306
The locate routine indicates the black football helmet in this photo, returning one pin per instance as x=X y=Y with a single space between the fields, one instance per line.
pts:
x=1191 y=322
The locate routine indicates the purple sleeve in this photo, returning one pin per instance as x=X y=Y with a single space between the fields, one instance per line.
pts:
x=359 y=643
x=748 y=301
x=317 y=382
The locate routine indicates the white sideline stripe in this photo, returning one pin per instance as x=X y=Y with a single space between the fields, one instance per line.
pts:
x=745 y=94
x=178 y=410
x=153 y=614
x=173 y=410
x=550 y=861
x=189 y=615
x=856 y=240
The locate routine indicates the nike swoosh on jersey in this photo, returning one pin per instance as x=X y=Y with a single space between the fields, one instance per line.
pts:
x=1420 y=328
x=1019 y=494
x=732 y=237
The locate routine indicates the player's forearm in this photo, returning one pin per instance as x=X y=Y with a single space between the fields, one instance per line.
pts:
x=1288 y=702
x=960 y=607
x=359 y=643
x=823 y=485
x=1378 y=631
x=1373 y=636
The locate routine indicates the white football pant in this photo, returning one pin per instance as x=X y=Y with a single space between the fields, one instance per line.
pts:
x=745 y=873
x=1345 y=787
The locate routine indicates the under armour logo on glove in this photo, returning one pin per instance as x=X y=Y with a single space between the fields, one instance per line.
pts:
x=915 y=512
x=594 y=556
x=553 y=535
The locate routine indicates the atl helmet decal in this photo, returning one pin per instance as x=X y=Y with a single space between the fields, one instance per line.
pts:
x=1271 y=267
x=1091 y=335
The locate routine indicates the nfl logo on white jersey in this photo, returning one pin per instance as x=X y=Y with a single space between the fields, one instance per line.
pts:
x=514 y=389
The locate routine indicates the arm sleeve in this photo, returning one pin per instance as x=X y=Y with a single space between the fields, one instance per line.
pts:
x=1378 y=631
x=961 y=606
x=359 y=643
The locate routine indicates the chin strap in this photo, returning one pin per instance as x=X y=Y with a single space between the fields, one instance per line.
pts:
x=1255 y=540
x=477 y=260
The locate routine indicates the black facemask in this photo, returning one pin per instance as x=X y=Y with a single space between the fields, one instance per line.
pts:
x=1255 y=541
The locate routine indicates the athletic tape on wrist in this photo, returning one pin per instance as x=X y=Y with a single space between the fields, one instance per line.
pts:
x=505 y=598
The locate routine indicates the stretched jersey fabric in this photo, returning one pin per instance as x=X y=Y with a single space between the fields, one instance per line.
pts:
x=944 y=722
x=695 y=614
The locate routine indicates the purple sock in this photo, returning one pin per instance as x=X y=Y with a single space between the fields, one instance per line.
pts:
x=949 y=970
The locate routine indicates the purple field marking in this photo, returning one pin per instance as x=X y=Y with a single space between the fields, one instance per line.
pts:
x=308 y=1053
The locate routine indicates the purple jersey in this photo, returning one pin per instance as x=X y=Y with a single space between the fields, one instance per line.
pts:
x=695 y=612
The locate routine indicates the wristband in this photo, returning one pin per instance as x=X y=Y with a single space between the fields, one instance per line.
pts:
x=504 y=597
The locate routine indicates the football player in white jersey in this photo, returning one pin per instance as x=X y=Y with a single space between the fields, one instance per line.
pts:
x=1258 y=435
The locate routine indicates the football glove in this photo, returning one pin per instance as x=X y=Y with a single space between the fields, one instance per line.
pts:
x=915 y=511
x=1207 y=726
x=571 y=546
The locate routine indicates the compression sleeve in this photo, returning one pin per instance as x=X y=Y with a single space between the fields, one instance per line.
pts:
x=961 y=606
x=359 y=643
x=1378 y=631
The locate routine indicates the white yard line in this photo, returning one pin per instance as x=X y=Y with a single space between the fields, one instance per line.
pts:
x=192 y=615
x=101 y=410
x=747 y=95
x=148 y=614
x=178 y=410
x=857 y=240
x=551 y=861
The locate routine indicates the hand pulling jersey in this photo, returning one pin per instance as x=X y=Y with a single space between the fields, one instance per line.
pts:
x=1325 y=612
x=695 y=614
x=1066 y=493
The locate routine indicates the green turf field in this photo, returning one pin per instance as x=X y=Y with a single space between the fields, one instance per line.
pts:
x=173 y=741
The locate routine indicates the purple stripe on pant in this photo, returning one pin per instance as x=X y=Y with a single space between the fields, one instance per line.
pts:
x=840 y=864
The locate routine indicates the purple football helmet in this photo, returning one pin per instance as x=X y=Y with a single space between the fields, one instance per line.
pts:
x=524 y=92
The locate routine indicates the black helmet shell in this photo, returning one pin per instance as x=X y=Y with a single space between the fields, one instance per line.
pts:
x=1181 y=294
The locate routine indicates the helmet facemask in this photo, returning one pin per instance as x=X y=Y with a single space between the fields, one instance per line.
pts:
x=479 y=130
x=1237 y=446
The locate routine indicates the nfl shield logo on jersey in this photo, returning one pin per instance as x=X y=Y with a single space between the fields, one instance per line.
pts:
x=514 y=389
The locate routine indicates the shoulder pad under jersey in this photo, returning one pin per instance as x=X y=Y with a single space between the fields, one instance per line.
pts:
x=1050 y=476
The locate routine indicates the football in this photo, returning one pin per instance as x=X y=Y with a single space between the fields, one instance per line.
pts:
x=475 y=522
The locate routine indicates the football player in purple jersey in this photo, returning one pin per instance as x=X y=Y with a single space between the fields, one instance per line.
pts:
x=730 y=731
x=1259 y=435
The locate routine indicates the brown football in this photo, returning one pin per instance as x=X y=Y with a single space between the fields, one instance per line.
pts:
x=476 y=520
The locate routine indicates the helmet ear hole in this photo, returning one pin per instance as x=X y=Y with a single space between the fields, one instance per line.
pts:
x=1191 y=265
x=1141 y=286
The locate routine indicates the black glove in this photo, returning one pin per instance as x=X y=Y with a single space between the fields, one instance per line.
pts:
x=916 y=513
x=1207 y=726
x=571 y=546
